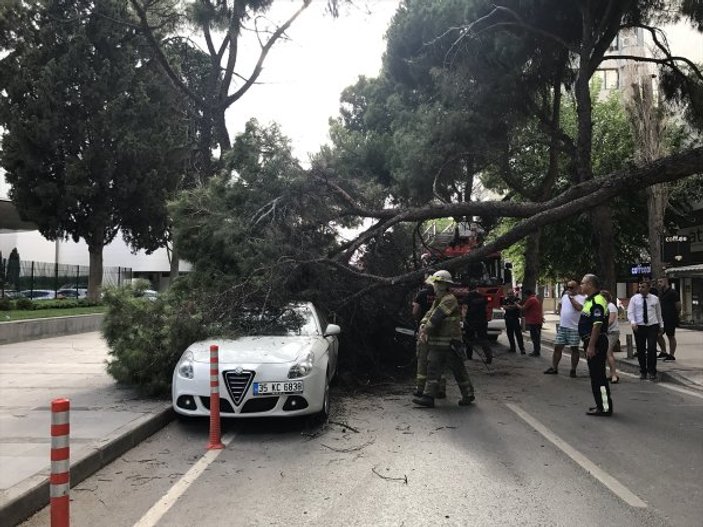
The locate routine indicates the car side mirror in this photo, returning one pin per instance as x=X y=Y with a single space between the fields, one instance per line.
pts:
x=332 y=329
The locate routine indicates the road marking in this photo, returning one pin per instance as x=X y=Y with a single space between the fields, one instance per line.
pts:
x=162 y=506
x=617 y=488
x=671 y=387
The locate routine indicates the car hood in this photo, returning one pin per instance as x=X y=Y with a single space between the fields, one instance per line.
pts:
x=261 y=350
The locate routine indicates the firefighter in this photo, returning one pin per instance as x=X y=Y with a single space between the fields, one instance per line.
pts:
x=440 y=328
x=421 y=304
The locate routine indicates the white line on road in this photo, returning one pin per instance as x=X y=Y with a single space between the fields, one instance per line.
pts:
x=162 y=506
x=620 y=490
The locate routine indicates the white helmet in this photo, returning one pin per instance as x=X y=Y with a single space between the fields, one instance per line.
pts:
x=441 y=276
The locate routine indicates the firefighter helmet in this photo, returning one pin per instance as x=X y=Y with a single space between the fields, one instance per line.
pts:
x=441 y=276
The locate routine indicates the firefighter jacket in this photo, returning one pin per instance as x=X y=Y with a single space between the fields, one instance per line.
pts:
x=443 y=321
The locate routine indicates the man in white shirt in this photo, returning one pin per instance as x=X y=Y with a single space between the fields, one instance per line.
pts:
x=645 y=316
x=567 y=334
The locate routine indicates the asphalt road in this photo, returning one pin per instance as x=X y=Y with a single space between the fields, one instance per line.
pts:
x=525 y=454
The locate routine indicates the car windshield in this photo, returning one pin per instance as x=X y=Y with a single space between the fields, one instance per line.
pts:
x=289 y=321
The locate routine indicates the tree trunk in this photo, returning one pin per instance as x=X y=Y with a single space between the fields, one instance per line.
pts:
x=656 y=205
x=95 y=273
x=529 y=279
x=604 y=242
x=648 y=124
x=175 y=261
x=221 y=133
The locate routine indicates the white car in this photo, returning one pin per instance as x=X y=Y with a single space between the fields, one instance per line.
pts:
x=286 y=372
x=496 y=325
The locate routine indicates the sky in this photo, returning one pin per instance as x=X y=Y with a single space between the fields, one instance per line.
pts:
x=304 y=77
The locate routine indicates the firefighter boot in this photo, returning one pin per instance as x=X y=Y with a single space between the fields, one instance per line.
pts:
x=425 y=400
x=466 y=400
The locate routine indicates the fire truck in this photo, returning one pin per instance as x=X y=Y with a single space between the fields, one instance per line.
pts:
x=491 y=273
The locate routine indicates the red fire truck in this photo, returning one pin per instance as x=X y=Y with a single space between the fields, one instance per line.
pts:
x=490 y=273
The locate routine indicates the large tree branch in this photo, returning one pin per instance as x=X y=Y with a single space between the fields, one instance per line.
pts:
x=163 y=61
x=580 y=198
x=606 y=32
x=262 y=56
x=517 y=22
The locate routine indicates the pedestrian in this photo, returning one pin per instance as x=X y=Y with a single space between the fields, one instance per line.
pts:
x=593 y=329
x=569 y=311
x=420 y=305
x=613 y=335
x=645 y=316
x=534 y=318
x=440 y=328
x=513 y=327
x=671 y=309
x=474 y=311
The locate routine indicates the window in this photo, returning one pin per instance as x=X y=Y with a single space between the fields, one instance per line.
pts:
x=610 y=79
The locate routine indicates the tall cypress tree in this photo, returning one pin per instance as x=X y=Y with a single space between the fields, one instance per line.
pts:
x=93 y=134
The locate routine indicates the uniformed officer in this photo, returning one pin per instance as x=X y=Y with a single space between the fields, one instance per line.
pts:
x=593 y=330
x=440 y=327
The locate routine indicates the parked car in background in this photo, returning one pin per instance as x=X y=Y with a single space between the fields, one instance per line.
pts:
x=38 y=294
x=72 y=293
x=150 y=294
x=282 y=370
x=11 y=294
x=496 y=324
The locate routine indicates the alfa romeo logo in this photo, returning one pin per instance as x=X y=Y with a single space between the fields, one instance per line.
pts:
x=238 y=370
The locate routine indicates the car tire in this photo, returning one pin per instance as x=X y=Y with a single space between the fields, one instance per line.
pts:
x=493 y=338
x=321 y=417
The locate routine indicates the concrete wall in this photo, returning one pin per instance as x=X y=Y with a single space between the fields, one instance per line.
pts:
x=22 y=330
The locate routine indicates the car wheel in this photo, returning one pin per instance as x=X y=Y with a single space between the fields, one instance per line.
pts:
x=321 y=417
x=493 y=338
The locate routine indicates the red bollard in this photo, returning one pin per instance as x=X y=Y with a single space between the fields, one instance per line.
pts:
x=60 y=478
x=215 y=434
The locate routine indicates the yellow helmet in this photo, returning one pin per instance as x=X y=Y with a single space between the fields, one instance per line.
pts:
x=441 y=276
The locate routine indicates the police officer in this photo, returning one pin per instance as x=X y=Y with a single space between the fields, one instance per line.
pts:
x=440 y=328
x=593 y=330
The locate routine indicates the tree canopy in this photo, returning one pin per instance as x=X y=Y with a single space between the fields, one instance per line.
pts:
x=93 y=137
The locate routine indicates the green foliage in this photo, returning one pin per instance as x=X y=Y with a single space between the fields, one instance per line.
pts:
x=12 y=274
x=92 y=130
x=147 y=337
x=24 y=304
x=6 y=304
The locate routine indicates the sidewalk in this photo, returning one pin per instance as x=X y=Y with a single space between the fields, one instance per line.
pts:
x=687 y=370
x=106 y=420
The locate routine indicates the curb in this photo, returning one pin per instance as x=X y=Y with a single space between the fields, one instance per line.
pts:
x=32 y=494
x=633 y=367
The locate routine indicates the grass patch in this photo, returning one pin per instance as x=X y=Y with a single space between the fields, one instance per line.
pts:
x=23 y=314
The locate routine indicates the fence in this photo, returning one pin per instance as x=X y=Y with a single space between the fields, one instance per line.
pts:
x=28 y=276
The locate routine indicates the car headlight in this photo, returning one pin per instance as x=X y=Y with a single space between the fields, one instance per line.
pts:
x=302 y=367
x=185 y=365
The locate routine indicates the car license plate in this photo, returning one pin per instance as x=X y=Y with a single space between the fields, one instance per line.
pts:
x=276 y=388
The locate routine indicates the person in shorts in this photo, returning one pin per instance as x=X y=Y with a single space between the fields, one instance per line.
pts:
x=569 y=311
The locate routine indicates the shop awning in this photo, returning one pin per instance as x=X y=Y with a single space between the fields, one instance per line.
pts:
x=685 y=271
